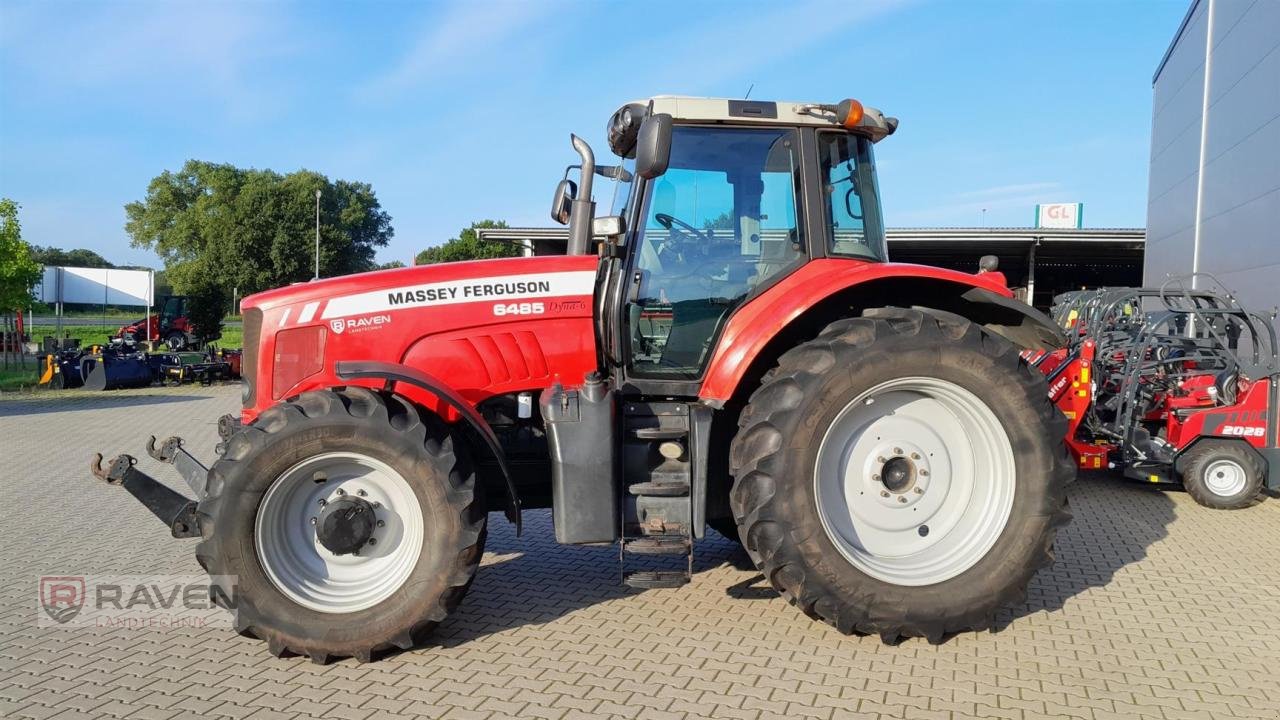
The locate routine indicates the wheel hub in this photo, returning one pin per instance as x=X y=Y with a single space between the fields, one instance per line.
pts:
x=898 y=474
x=345 y=525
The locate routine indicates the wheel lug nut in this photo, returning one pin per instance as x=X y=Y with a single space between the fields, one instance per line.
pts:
x=919 y=491
x=902 y=499
x=377 y=505
x=897 y=451
x=924 y=473
x=382 y=523
x=915 y=456
x=884 y=493
x=373 y=541
x=323 y=502
x=881 y=459
x=341 y=491
x=361 y=493
x=313 y=521
x=875 y=477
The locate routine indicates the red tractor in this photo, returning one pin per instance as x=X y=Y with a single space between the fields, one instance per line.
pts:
x=726 y=347
x=1172 y=385
x=170 y=325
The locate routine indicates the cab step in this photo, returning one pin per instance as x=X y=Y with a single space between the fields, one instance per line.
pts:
x=659 y=489
x=658 y=545
x=660 y=433
x=649 y=579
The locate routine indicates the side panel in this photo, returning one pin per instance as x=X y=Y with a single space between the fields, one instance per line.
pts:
x=483 y=327
x=756 y=323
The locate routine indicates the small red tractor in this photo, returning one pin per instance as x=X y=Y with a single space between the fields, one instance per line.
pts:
x=1182 y=393
x=726 y=347
x=170 y=325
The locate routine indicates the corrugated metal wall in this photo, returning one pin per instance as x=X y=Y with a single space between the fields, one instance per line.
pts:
x=1239 y=203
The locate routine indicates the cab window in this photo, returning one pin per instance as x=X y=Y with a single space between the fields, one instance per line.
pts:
x=852 y=207
x=719 y=223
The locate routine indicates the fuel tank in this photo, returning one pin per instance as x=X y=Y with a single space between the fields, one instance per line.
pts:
x=487 y=327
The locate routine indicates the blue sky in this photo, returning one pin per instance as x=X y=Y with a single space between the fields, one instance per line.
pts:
x=461 y=111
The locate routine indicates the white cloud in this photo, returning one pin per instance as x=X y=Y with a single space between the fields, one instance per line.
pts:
x=459 y=37
x=127 y=48
x=966 y=208
x=731 y=46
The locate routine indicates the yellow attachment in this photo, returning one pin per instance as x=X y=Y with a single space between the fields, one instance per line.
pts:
x=1153 y=478
x=47 y=376
x=1084 y=374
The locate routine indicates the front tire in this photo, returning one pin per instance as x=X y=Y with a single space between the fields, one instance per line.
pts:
x=307 y=588
x=1223 y=475
x=903 y=474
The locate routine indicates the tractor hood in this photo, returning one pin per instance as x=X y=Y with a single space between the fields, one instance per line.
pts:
x=425 y=285
x=487 y=326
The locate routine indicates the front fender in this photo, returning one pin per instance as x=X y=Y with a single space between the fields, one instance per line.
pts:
x=392 y=373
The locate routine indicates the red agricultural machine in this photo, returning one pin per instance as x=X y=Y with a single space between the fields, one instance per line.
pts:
x=1170 y=385
x=727 y=347
x=170 y=325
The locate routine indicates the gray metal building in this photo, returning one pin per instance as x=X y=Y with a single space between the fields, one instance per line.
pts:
x=1214 y=194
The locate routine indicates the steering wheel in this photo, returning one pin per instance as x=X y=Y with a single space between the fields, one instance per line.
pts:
x=667 y=221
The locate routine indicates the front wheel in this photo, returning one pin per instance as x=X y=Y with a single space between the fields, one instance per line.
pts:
x=1222 y=474
x=349 y=522
x=903 y=474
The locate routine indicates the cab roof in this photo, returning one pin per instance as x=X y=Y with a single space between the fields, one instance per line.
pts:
x=873 y=123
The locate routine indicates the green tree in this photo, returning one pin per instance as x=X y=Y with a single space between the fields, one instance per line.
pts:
x=79 y=257
x=391 y=265
x=468 y=246
x=19 y=271
x=207 y=301
x=255 y=229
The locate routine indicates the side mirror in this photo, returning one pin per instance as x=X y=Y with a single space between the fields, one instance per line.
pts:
x=611 y=227
x=562 y=203
x=653 y=146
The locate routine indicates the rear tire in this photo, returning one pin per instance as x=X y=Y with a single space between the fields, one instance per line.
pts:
x=1223 y=475
x=290 y=590
x=874 y=571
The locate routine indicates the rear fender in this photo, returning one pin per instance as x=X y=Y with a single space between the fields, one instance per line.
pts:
x=392 y=373
x=823 y=291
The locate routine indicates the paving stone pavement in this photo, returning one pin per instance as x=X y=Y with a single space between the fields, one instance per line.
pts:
x=1155 y=608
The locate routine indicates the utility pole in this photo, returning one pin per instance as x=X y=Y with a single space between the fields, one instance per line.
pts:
x=317 y=275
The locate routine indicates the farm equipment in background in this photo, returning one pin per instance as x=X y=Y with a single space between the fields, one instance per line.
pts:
x=123 y=364
x=728 y=348
x=1182 y=392
x=170 y=325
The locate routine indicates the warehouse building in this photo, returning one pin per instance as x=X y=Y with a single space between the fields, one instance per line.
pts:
x=1037 y=262
x=1214 y=194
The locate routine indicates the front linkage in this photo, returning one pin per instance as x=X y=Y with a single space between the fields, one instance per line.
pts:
x=174 y=509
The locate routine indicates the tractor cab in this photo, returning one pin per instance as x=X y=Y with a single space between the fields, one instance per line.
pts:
x=714 y=202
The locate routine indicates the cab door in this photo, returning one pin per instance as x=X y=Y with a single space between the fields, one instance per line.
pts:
x=723 y=222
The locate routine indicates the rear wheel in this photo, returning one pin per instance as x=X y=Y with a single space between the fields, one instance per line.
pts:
x=902 y=474
x=176 y=340
x=1222 y=474
x=348 y=521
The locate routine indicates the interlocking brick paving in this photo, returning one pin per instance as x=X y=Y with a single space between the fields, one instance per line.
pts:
x=1156 y=608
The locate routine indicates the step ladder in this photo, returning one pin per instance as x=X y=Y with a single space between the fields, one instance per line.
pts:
x=657 y=510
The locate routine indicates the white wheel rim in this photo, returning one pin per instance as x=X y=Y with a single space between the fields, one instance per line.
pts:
x=307 y=572
x=1225 y=478
x=962 y=478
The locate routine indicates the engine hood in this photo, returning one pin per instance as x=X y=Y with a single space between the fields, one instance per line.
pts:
x=444 y=281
